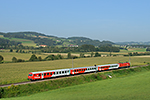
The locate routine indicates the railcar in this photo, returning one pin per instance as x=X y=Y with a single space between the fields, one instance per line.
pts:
x=80 y=70
x=74 y=71
x=124 y=65
x=113 y=66
x=107 y=67
x=48 y=74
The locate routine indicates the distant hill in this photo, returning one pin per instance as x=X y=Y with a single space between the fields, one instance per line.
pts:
x=133 y=43
x=42 y=39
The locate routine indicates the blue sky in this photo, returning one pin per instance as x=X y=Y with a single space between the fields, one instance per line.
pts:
x=113 y=20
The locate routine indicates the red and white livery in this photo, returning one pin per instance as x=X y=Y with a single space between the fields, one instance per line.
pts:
x=74 y=71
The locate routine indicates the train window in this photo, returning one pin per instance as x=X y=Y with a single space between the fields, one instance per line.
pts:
x=44 y=74
x=54 y=73
x=34 y=75
x=39 y=74
x=59 y=72
x=51 y=73
x=47 y=73
x=65 y=71
x=62 y=72
x=75 y=70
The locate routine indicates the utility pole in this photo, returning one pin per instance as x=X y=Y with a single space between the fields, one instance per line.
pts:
x=72 y=63
x=129 y=57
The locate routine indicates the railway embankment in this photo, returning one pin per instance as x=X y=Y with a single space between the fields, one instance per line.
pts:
x=28 y=89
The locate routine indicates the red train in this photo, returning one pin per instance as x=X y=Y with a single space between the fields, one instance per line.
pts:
x=74 y=71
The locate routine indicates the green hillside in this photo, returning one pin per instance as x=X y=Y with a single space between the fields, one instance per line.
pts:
x=25 y=42
x=36 y=38
x=135 y=87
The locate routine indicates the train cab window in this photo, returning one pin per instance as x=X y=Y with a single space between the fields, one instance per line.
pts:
x=30 y=75
x=39 y=74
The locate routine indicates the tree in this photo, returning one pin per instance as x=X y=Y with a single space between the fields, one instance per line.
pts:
x=87 y=47
x=69 y=55
x=40 y=58
x=97 y=54
x=11 y=50
x=1 y=58
x=92 y=54
x=14 y=59
x=81 y=55
x=33 y=58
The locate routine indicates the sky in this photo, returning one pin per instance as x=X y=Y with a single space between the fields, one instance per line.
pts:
x=112 y=20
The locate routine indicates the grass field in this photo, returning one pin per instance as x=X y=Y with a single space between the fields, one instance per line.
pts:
x=25 y=56
x=17 y=72
x=135 y=87
x=137 y=49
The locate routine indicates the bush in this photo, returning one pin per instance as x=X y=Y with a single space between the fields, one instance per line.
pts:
x=1 y=58
x=20 y=60
x=33 y=58
x=1 y=92
x=14 y=59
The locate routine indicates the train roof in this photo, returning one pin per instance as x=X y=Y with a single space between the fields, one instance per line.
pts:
x=50 y=71
x=59 y=70
x=107 y=65
x=82 y=67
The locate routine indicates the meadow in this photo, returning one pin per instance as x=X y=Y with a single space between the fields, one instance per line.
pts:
x=133 y=86
x=18 y=72
x=25 y=42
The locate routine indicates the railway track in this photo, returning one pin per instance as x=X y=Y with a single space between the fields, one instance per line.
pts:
x=30 y=82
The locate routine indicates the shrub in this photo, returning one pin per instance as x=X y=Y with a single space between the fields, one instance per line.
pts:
x=1 y=58
x=14 y=59
x=33 y=58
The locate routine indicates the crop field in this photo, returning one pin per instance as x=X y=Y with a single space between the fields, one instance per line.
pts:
x=18 y=72
x=137 y=50
x=123 y=88
x=25 y=56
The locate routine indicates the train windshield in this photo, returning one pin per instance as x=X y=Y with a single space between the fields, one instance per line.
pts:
x=30 y=75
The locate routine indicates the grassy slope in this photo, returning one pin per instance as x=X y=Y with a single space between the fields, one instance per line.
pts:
x=24 y=42
x=17 y=72
x=125 y=88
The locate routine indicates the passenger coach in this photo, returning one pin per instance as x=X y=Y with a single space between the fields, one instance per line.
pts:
x=74 y=71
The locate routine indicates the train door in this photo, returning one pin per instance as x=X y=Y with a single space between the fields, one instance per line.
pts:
x=42 y=75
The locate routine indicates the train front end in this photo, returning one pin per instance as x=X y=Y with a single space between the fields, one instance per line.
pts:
x=30 y=76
